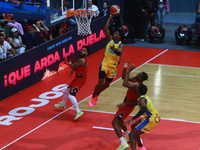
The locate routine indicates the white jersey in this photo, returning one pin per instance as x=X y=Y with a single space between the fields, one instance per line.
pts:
x=3 y=49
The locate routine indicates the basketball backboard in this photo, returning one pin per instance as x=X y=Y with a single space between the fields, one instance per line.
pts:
x=56 y=10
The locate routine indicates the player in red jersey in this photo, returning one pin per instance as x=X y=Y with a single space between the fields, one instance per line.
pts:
x=81 y=67
x=125 y=108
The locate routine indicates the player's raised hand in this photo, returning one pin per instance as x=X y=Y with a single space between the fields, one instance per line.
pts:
x=131 y=67
x=126 y=64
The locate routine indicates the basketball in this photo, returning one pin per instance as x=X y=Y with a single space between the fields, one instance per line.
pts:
x=114 y=10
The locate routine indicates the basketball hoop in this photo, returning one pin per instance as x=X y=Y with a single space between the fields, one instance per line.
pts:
x=83 y=19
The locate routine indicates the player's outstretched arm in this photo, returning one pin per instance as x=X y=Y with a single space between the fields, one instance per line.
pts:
x=106 y=29
x=126 y=82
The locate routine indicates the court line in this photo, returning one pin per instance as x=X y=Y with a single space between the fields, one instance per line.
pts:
x=172 y=74
x=170 y=119
x=71 y=107
x=175 y=65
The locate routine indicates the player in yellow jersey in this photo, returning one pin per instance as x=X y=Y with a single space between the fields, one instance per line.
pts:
x=108 y=67
x=147 y=109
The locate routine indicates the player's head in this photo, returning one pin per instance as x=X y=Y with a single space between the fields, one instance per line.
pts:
x=142 y=89
x=142 y=76
x=2 y=38
x=85 y=51
x=117 y=34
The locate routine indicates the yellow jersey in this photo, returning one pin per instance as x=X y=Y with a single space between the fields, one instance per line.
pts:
x=151 y=109
x=110 y=58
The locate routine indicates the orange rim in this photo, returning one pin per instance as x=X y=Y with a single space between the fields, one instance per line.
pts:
x=79 y=12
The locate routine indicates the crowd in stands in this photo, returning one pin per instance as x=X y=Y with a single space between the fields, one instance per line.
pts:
x=22 y=34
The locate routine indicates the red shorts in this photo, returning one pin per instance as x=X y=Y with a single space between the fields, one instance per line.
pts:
x=76 y=85
x=124 y=111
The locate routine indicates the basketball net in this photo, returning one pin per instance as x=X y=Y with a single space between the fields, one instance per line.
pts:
x=83 y=19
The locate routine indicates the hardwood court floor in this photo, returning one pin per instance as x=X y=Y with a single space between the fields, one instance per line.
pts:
x=173 y=86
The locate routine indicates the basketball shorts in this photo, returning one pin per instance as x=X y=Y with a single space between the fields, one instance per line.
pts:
x=76 y=85
x=148 y=124
x=111 y=71
x=124 y=111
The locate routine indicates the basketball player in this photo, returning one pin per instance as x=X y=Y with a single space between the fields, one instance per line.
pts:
x=81 y=67
x=125 y=108
x=108 y=67
x=147 y=109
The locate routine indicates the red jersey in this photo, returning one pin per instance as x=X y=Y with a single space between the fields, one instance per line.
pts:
x=81 y=71
x=131 y=95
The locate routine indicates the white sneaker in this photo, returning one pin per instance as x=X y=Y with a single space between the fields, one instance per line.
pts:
x=59 y=105
x=78 y=114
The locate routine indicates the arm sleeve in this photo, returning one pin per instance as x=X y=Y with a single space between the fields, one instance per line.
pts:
x=117 y=52
x=142 y=111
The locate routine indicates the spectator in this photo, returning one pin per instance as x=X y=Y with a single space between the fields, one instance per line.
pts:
x=31 y=38
x=62 y=28
x=163 y=9
x=2 y=31
x=41 y=26
x=152 y=7
x=3 y=21
x=94 y=8
x=4 y=47
x=105 y=11
x=70 y=21
x=12 y=23
x=16 y=41
x=197 y=19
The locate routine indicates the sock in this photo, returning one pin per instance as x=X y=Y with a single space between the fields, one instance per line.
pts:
x=122 y=140
x=127 y=133
x=141 y=143
x=66 y=95
x=74 y=102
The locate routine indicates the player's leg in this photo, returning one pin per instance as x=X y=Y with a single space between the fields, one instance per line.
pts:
x=74 y=102
x=134 y=137
x=105 y=85
x=65 y=97
x=97 y=89
x=133 y=126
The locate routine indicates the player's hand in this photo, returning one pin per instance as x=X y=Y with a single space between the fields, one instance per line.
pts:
x=126 y=64
x=71 y=73
x=131 y=67
x=128 y=122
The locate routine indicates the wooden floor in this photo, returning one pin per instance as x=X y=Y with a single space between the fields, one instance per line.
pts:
x=173 y=89
x=173 y=86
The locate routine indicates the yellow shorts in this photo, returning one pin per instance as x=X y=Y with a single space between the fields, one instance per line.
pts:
x=111 y=71
x=148 y=124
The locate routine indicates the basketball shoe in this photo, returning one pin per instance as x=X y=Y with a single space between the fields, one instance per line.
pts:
x=141 y=148
x=92 y=101
x=122 y=147
x=126 y=139
x=96 y=99
x=78 y=114
x=59 y=105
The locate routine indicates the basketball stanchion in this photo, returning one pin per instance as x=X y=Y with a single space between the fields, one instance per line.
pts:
x=83 y=19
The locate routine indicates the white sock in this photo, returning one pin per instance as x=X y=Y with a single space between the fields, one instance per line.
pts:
x=74 y=102
x=127 y=133
x=141 y=141
x=66 y=95
x=122 y=140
